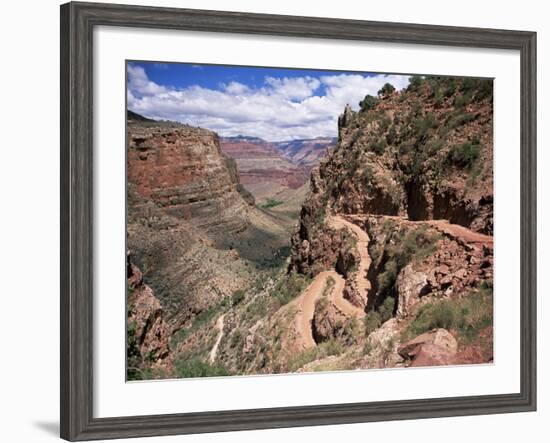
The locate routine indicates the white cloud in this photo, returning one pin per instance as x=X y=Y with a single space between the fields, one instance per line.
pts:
x=297 y=88
x=236 y=88
x=139 y=85
x=283 y=109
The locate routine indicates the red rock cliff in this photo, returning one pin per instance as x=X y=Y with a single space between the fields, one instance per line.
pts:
x=183 y=170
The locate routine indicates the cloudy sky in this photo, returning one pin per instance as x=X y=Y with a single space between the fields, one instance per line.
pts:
x=273 y=104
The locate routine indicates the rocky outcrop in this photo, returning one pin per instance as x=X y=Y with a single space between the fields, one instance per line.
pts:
x=259 y=161
x=434 y=348
x=328 y=321
x=148 y=332
x=424 y=258
x=323 y=247
x=183 y=170
x=381 y=347
x=424 y=153
x=410 y=286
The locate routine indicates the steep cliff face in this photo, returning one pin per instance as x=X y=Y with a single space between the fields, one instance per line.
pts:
x=260 y=163
x=148 y=334
x=425 y=153
x=183 y=170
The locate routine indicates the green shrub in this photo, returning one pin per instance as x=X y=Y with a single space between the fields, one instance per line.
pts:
x=372 y=322
x=368 y=103
x=289 y=287
x=200 y=319
x=133 y=356
x=458 y=119
x=356 y=136
x=322 y=350
x=432 y=146
x=477 y=88
x=421 y=125
x=257 y=308
x=386 y=90
x=386 y=279
x=465 y=154
x=386 y=309
x=450 y=87
x=270 y=203
x=329 y=284
x=406 y=246
x=466 y=316
x=194 y=367
x=379 y=146
x=236 y=339
x=391 y=136
x=485 y=89
x=415 y=82
x=438 y=97
x=237 y=297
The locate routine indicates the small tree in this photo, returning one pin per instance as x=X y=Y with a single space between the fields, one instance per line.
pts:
x=368 y=103
x=386 y=90
x=414 y=82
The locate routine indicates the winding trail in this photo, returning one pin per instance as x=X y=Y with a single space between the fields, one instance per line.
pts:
x=362 y=283
x=452 y=230
x=306 y=301
x=219 y=327
x=460 y=232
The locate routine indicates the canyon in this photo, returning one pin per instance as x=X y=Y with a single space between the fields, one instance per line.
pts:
x=306 y=153
x=272 y=170
x=372 y=250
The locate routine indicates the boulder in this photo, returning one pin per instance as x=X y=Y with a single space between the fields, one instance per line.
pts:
x=435 y=348
x=382 y=346
x=411 y=285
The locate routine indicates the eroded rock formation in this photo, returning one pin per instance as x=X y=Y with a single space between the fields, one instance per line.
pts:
x=183 y=170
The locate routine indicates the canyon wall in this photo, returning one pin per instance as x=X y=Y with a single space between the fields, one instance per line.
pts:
x=183 y=170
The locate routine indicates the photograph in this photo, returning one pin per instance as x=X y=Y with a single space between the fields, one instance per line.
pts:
x=283 y=220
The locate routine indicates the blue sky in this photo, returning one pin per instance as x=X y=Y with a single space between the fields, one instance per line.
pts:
x=272 y=103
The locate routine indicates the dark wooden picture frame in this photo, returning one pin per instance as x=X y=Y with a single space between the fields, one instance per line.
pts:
x=77 y=24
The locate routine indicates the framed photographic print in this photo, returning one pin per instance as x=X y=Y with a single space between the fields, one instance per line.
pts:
x=273 y=221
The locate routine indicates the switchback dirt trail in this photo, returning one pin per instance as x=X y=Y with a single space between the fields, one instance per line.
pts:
x=362 y=283
x=306 y=304
x=306 y=301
